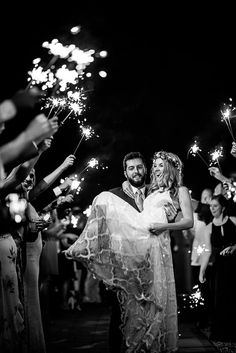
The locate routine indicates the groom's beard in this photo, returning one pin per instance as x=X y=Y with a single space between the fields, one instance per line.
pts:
x=137 y=182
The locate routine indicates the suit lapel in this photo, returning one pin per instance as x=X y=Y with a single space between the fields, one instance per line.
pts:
x=120 y=193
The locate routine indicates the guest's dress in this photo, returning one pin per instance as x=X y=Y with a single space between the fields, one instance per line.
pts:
x=33 y=319
x=11 y=309
x=118 y=248
x=224 y=283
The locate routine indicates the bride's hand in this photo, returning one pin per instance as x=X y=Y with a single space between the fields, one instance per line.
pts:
x=170 y=211
x=157 y=228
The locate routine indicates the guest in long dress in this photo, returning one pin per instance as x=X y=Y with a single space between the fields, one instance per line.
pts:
x=220 y=241
x=202 y=217
x=33 y=237
x=11 y=309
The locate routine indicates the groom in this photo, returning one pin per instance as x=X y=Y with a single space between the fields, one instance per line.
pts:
x=133 y=191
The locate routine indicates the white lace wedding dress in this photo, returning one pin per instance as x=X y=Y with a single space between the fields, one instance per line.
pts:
x=118 y=248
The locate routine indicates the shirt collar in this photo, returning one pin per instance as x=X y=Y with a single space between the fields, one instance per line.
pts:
x=135 y=189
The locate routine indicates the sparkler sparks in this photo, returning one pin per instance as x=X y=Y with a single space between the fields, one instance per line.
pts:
x=200 y=249
x=55 y=102
x=76 y=103
x=66 y=77
x=57 y=49
x=215 y=155
x=75 y=184
x=196 y=299
x=195 y=150
x=226 y=115
x=88 y=210
x=87 y=133
x=92 y=163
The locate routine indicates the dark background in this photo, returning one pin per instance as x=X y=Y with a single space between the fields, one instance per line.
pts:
x=169 y=72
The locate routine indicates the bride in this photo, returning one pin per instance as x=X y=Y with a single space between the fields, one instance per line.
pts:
x=130 y=251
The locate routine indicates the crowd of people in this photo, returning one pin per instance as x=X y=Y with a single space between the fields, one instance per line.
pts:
x=35 y=218
x=125 y=244
x=213 y=257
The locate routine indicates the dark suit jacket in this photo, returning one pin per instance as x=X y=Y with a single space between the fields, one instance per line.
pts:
x=120 y=193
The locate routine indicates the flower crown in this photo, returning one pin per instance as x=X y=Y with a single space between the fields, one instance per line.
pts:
x=170 y=158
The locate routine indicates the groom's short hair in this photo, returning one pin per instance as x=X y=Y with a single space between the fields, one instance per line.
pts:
x=132 y=155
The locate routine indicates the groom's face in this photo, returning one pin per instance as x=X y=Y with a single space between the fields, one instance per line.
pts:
x=135 y=172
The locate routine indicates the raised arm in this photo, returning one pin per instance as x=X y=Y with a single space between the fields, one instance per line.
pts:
x=233 y=149
x=69 y=161
x=46 y=182
x=38 y=130
x=22 y=100
x=19 y=173
x=16 y=176
x=206 y=253
x=216 y=173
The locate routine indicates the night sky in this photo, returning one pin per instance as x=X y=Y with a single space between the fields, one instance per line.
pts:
x=168 y=75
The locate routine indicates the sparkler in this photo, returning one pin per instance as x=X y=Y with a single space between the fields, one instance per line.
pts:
x=58 y=50
x=226 y=115
x=38 y=75
x=75 y=186
x=196 y=299
x=215 y=155
x=91 y=164
x=76 y=103
x=200 y=249
x=87 y=133
x=62 y=76
x=55 y=102
x=88 y=210
x=195 y=150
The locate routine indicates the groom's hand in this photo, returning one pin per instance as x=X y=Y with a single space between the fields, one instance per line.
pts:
x=170 y=211
x=157 y=228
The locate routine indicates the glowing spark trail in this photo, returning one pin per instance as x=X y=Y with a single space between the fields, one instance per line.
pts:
x=91 y=164
x=226 y=115
x=195 y=150
x=215 y=155
x=87 y=133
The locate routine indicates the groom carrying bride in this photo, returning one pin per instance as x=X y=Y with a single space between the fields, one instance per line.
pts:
x=126 y=244
x=133 y=191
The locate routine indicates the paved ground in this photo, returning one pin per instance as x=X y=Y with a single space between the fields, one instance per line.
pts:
x=87 y=331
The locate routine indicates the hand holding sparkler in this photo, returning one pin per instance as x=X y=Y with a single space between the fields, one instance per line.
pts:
x=45 y=145
x=216 y=173
x=22 y=101
x=65 y=199
x=68 y=162
x=75 y=187
x=66 y=184
x=41 y=128
x=233 y=149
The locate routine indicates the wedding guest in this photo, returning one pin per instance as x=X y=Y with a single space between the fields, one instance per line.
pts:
x=220 y=240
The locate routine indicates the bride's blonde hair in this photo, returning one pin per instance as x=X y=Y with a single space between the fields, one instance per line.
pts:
x=172 y=176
